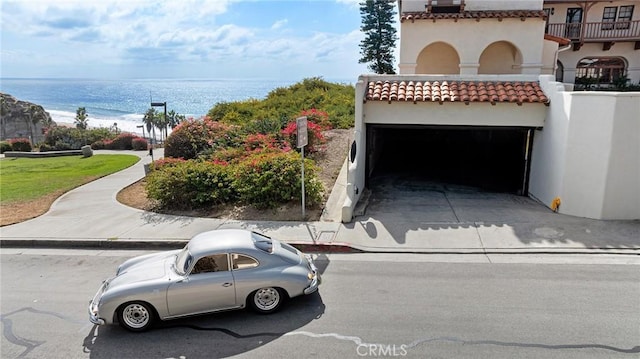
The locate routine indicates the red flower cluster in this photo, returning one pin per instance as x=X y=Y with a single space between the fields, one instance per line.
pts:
x=317 y=116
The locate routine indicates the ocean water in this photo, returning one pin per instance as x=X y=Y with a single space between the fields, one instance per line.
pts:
x=124 y=102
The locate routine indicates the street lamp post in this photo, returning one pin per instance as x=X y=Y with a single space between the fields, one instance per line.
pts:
x=157 y=104
x=142 y=127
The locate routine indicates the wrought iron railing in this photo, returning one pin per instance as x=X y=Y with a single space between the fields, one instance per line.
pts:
x=597 y=31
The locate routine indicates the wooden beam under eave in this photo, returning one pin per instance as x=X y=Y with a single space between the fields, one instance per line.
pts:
x=637 y=46
x=577 y=46
x=606 y=46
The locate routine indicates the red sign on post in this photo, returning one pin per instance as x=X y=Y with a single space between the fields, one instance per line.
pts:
x=301 y=126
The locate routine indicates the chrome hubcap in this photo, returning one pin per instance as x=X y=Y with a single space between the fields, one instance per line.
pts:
x=135 y=316
x=267 y=298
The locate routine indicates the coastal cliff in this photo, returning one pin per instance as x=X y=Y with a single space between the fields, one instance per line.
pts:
x=22 y=119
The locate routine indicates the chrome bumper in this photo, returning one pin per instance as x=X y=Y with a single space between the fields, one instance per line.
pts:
x=94 y=315
x=313 y=287
x=315 y=281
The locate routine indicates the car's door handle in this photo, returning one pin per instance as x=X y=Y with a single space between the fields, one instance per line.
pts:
x=227 y=284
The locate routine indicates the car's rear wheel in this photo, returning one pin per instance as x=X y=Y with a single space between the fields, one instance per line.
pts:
x=266 y=300
x=136 y=316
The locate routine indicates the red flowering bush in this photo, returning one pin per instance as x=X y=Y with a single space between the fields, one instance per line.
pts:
x=167 y=162
x=20 y=144
x=318 y=117
x=123 y=141
x=227 y=155
x=192 y=137
x=139 y=144
x=260 y=141
x=314 y=136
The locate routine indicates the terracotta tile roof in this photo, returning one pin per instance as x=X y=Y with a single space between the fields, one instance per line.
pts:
x=493 y=14
x=455 y=91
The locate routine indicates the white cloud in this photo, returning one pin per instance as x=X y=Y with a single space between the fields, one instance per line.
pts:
x=173 y=34
x=279 y=24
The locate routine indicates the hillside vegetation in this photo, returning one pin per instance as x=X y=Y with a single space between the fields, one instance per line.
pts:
x=284 y=103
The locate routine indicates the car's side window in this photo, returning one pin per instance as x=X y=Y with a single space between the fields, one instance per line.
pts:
x=212 y=263
x=241 y=261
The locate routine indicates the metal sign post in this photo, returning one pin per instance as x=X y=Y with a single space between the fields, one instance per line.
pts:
x=301 y=134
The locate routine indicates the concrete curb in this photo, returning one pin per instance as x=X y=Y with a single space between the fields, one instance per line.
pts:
x=334 y=247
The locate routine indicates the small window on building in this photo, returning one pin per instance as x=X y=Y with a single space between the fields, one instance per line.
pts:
x=609 y=17
x=624 y=17
x=599 y=72
x=445 y=6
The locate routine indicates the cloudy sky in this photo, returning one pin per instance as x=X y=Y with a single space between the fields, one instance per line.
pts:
x=286 y=39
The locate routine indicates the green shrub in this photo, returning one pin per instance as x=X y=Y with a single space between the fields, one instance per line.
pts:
x=20 y=144
x=61 y=138
x=268 y=179
x=227 y=155
x=337 y=100
x=190 y=184
x=98 y=145
x=5 y=146
x=192 y=137
x=265 y=126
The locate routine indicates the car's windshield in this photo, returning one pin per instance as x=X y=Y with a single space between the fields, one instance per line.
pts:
x=183 y=261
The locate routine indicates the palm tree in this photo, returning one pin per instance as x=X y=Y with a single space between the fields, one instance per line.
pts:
x=82 y=120
x=4 y=111
x=32 y=115
x=161 y=124
x=149 y=119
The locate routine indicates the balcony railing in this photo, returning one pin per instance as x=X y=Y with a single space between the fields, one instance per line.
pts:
x=597 y=31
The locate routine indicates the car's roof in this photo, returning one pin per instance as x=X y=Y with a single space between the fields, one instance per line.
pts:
x=221 y=240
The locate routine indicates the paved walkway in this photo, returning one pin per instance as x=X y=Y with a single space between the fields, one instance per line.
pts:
x=434 y=222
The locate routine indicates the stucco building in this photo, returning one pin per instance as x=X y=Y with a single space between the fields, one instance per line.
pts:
x=476 y=102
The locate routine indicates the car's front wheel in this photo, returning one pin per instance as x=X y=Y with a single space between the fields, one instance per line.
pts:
x=136 y=316
x=266 y=300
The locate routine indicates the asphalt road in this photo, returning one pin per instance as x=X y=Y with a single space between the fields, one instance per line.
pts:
x=368 y=306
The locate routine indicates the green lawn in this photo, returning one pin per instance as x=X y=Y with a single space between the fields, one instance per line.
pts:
x=23 y=179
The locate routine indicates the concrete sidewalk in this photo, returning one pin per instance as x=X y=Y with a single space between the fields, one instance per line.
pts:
x=90 y=216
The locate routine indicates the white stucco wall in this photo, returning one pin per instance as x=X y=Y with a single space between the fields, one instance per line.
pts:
x=549 y=52
x=588 y=153
x=462 y=35
x=456 y=114
x=473 y=5
x=548 y=156
x=622 y=190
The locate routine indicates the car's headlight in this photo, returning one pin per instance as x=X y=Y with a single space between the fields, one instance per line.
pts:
x=310 y=275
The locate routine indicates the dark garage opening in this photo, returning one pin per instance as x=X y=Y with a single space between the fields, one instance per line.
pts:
x=490 y=158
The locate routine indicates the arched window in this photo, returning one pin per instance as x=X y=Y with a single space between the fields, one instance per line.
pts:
x=438 y=58
x=500 y=57
x=595 y=72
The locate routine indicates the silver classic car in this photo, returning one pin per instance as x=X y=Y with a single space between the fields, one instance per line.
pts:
x=217 y=270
